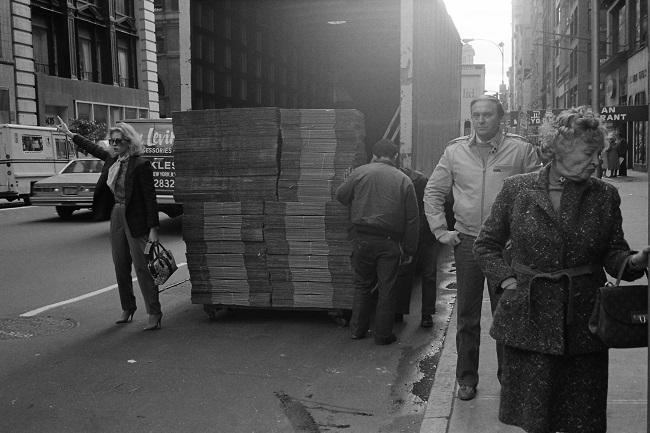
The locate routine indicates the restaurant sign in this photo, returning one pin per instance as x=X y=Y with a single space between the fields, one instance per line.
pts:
x=624 y=113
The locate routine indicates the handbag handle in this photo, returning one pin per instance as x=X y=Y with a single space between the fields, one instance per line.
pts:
x=153 y=250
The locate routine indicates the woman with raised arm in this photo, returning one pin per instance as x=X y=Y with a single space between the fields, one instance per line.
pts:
x=126 y=190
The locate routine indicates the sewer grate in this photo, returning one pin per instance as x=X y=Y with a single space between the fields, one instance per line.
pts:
x=28 y=327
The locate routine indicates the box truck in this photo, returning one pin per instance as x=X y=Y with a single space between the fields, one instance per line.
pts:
x=29 y=154
x=158 y=147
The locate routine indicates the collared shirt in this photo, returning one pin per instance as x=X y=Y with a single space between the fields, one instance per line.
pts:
x=494 y=143
x=120 y=191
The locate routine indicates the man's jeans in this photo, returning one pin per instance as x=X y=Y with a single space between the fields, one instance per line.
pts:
x=375 y=259
x=469 y=299
x=428 y=262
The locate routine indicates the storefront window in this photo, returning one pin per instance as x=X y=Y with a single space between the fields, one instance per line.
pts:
x=640 y=129
x=83 y=111
x=130 y=113
x=640 y=132
x=116 y=114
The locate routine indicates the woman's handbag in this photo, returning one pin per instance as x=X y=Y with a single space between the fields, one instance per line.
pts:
x=161 y=263
x=620 y=316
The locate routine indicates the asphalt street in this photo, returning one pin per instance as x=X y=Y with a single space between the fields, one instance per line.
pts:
x=71 y=368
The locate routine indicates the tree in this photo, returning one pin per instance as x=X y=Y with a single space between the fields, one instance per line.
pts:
x=89 y=128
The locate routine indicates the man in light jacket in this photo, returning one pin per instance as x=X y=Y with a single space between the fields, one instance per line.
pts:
x=473 y=167
x=384 y=212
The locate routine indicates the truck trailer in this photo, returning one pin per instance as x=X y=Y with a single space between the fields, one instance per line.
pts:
x=29 y=154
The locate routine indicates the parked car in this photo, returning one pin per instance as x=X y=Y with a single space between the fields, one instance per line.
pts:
x=71 y=189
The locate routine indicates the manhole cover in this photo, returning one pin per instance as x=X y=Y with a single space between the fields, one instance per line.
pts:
x=28 y=327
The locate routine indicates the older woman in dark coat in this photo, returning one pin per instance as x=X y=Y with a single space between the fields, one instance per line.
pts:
x=558 y=220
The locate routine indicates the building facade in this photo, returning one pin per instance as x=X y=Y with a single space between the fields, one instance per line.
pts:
x=472 y=85
x=552 y=59
x=624 y=70
x=551 y=54
x=7 y=77
x=522 y=36
x=77 y=59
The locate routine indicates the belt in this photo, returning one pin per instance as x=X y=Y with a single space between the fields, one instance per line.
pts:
x=568 y=273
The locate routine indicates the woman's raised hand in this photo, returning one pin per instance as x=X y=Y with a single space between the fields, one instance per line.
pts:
x=62 y=127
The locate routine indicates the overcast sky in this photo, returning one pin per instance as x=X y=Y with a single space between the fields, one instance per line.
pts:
x=485 y=19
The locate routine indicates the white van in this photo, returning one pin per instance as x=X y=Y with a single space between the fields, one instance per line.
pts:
x=29 y=154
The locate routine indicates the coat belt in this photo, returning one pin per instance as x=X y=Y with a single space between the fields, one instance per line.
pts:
x=568 y=273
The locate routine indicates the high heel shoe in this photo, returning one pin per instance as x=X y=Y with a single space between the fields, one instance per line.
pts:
x=154 y=322
x=127 y=315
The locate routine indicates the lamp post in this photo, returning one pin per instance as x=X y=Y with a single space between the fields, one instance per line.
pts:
x=500 y=47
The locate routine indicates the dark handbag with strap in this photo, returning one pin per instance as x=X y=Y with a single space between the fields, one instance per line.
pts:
x=161 y=262
x=620 y=316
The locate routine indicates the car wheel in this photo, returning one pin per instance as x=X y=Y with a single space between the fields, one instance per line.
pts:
x=64 y=211
x=26 y=199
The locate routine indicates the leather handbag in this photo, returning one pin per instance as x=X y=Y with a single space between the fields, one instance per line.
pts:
x=161 y=262
x=620 y=315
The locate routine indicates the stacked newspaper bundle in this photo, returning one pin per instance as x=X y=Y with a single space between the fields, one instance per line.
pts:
x=262 y=226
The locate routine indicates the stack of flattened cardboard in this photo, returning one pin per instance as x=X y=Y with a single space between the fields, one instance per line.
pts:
x=226 y=168
x=262 y=226
x=309 y=259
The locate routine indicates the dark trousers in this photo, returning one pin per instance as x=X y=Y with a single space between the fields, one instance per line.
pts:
x=128 y=250
x=376 y=260
x=427 y=260
x=469 y=300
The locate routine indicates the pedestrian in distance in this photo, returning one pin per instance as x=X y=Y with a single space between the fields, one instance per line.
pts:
x=564 y=226
x=126 y=189
x=610 y=156
x=622 y=148
x=473 y=167
x=384 y=214
x=426 y=258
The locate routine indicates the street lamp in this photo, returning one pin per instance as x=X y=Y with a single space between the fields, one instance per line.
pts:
x=500 y=47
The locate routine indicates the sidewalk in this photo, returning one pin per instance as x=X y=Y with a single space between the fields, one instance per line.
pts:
x=628 y=369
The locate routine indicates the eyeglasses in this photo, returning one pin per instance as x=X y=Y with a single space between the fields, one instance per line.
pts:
x=118 y=141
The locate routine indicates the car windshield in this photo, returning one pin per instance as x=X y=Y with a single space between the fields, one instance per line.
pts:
x=84 y=166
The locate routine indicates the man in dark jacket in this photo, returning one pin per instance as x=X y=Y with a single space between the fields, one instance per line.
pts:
x=384 y=213
x=427 y=252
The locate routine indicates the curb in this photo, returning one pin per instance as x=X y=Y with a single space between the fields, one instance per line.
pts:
x=443 y=391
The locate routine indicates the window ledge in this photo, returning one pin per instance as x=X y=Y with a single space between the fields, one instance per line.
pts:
x=6 y=62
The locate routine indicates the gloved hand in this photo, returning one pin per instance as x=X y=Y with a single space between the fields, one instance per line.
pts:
x=450 y=238
x=640 y=259
x=510 y=291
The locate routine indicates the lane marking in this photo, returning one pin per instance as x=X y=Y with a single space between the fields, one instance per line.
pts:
x=14 y=207
x=78 y=298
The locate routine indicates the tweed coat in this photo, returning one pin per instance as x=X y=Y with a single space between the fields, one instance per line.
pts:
x=588 y=230
x=140 y=201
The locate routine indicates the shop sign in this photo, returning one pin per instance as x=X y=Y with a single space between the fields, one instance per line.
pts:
x=624 y=113
x=638 y=76
x=534 y=117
